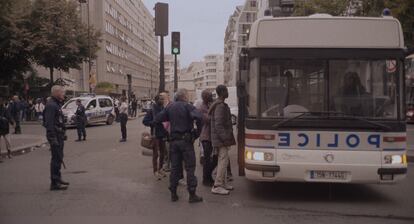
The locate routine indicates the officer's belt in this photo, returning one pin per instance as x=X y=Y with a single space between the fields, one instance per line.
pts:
x=181 y=136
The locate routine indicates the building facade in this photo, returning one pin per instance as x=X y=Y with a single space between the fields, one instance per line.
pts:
x=238 y=28
x=169 y=71
x=186 y=79
x=212 y=73
x=128 y=55
x=236 y=38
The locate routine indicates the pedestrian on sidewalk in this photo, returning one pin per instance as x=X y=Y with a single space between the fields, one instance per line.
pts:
x=80 y=121
x=167 y=162
x=134 y=107
x=181 y=116
x=116 y=109
x=159 y=135
x=205 y=138
x=5 y=122
x=222 y=138
x=123 y=118
x=55 y=134
x=39 y=107
x=15 y=110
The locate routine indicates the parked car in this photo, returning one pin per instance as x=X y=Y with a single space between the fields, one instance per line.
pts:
x=99 y=109
x=146 y=105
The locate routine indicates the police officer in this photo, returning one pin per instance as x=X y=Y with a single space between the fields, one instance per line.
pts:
x=55 y=134
x=181 y=116
x=80 y=121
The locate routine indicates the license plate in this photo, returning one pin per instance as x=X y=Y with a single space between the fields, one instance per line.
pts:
x=328 y=175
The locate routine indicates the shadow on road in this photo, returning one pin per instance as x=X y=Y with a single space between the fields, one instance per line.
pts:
x=315 y=192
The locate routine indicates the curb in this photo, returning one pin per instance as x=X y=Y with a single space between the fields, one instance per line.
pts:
x=25 y=148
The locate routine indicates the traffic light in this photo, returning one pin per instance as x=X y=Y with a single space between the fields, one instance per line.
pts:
x=161 y=19
x=175 y=43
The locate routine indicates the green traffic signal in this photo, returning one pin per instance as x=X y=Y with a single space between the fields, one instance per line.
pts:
x=176 y=51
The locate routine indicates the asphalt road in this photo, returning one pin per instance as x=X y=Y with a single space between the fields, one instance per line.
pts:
x=114 y=179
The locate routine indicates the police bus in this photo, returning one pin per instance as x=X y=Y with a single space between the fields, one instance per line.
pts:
x=322 y=99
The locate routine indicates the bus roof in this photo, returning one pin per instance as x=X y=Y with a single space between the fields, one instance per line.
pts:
x=325 y=31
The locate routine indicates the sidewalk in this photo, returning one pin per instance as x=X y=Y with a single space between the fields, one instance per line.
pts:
x=23 y=143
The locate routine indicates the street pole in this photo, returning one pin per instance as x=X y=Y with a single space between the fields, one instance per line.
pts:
x=162 y=69
x=175 y=74
x=150 y=93
x=89 y=50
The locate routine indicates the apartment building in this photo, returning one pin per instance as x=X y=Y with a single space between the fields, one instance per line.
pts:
x=212 y=72
x=186 y=79
x=236 y=37
x=238 y=28
x=128 y=55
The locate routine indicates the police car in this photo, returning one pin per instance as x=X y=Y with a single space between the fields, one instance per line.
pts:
x=99 y=109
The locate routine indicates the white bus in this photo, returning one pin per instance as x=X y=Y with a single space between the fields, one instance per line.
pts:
x=322 y=100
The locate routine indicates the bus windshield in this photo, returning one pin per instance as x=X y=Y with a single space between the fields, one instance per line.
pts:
x=360 y=88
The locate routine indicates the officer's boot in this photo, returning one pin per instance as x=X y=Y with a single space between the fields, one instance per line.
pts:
x=194 y=198
x=174 y=196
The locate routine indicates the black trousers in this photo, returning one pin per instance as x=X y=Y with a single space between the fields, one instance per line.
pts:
x=80 y=127
x=209 y=164
x=56 y=161
x=124 y=119
x=134 y=112
x=17 y=128
x=182 y=151
x=158 y=154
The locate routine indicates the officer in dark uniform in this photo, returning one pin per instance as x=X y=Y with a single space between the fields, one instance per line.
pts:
x=55 y=134
x=181 y=116
x=80 y=121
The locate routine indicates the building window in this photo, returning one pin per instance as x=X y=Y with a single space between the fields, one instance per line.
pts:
x=253 y=4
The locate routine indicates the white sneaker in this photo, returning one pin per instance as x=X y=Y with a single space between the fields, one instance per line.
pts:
x=182 y=182
x=162 y=173
x=157 y=176
x=220 y=190
x=228 y=187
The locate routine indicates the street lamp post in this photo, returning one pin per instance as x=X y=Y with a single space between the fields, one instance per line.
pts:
x=89 y=41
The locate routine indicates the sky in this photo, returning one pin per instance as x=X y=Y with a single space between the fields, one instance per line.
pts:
x=202 y=24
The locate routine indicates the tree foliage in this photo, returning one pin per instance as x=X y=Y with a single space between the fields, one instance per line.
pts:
x=106 y=87
x=61 y=39
x=309 y=7
x=15 y=40
x=403 y=10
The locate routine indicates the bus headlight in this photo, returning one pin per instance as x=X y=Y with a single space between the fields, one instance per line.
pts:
x=259 y=156
x=410 y=113
x=395 y=159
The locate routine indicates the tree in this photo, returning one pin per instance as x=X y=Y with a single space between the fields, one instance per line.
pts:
x=15 y=40
x=309 y=7
x=104 y=87
x=61 y=40
x=403 y=10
